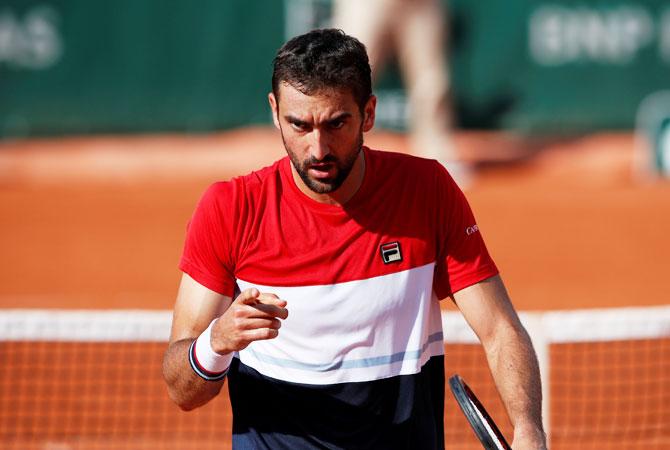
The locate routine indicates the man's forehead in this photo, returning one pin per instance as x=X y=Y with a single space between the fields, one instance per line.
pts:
x=342 y=95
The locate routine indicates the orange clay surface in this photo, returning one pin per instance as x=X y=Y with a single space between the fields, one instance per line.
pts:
x=99 y=222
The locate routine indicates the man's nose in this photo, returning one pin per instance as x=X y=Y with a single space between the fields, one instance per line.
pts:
x=320 y=147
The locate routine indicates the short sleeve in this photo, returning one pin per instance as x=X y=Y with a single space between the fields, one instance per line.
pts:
x=207 y=250
x=463 y=259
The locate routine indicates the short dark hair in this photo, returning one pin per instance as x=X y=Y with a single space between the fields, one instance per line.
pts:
x=322 y=59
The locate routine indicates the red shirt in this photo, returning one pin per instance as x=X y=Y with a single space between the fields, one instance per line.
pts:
x=262 y=229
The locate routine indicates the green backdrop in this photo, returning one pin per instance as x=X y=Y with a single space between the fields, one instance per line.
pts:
x=76 y=66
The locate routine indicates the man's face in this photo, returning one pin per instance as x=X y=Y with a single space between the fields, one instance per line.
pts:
x=322 y=134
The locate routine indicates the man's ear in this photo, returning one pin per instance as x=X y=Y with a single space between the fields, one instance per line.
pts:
x=369 y=113
x=274 y=106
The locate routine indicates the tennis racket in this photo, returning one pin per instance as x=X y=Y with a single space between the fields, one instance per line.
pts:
x=484 y=427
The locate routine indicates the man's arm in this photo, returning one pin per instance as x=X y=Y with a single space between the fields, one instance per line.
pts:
x=252 y=316
x=511 y=358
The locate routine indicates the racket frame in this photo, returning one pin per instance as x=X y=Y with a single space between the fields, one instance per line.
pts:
x=481 y=422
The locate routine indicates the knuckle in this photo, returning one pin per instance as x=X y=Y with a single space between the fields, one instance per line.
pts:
x=238 y=323
x=270 y=333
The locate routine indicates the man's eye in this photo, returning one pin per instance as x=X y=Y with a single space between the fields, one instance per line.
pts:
x=299 y=126
x=337 y=124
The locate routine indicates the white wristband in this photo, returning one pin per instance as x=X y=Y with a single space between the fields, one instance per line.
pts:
x=205 y=361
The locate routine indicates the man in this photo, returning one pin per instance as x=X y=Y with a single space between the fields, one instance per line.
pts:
x=358 y=245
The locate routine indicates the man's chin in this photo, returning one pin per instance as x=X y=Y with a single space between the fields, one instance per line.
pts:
x=321 y=186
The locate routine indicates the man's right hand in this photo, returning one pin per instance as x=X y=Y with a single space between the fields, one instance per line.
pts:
x=252 y=316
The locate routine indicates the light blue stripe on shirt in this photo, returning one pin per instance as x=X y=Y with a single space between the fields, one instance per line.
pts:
x=347 y=364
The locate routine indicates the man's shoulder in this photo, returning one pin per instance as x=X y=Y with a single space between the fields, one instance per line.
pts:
x=401 y=173
x=247 y=183
x=395 y=166
x=403 y=160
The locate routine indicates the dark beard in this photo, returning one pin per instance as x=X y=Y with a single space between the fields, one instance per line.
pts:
x=325 y=186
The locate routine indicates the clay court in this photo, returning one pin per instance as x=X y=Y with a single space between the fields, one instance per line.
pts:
x=98 y=223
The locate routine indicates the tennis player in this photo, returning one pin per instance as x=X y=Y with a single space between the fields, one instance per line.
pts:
x=313 y=284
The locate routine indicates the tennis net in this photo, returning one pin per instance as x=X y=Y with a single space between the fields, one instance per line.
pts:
x=92 y=380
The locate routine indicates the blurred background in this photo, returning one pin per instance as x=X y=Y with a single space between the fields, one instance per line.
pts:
x=115 y=116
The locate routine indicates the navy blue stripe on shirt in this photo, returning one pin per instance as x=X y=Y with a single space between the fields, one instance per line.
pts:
x=403 y=412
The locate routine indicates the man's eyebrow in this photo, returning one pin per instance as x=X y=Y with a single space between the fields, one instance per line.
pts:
x=292 y=119
x=341 y=116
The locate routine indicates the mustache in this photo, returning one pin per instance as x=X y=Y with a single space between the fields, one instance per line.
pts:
x=326 y=159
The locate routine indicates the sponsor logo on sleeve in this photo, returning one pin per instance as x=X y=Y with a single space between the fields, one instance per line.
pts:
x=471 y=230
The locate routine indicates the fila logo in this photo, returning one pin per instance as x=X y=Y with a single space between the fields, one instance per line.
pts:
x=391 y=252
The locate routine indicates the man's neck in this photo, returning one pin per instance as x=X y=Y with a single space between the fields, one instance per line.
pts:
x=342 y=194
